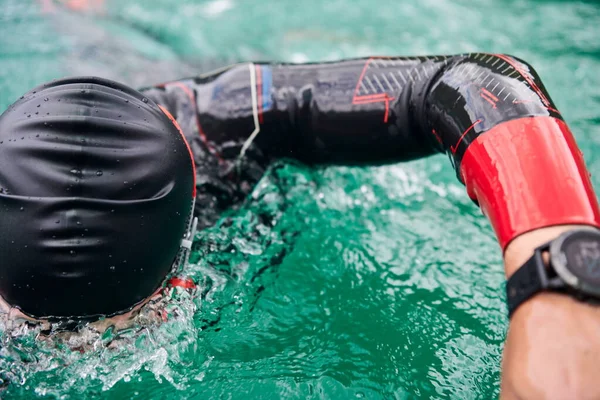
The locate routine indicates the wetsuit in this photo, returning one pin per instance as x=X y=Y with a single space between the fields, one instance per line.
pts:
x=363 y=111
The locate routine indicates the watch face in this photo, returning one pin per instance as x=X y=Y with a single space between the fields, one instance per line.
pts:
x=581 y=252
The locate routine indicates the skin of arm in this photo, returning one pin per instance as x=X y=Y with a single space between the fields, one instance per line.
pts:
x=553 y=343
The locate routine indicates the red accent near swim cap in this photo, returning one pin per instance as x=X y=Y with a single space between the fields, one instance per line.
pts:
x=174 y=121
x=527 y=174
x=186 y=283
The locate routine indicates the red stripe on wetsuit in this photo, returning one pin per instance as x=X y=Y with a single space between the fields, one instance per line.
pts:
x=528 y=173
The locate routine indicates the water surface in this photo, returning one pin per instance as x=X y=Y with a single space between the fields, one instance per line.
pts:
x=330 y=283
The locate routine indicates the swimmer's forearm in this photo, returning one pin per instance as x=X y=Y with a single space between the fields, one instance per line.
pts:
x=530 y=180
x=553 y=342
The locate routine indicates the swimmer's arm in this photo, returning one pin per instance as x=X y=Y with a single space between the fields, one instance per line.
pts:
x=315 y=114
x=389 y=109
x=520 y=163
x=553 y=343
x=348 y=112
x=364 y=111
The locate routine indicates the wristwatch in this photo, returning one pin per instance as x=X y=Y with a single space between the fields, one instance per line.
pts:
x=573 y=268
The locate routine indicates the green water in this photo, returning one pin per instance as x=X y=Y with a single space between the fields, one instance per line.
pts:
x=372 y=282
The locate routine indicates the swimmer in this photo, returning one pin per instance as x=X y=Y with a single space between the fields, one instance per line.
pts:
x=102 y=186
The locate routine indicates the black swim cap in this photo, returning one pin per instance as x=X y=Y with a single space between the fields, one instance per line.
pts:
x=96 y=193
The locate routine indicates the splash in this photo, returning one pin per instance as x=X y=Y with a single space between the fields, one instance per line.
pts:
x=233 y=262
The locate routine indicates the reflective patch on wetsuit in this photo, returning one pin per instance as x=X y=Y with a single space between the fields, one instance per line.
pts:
x=267 y=83
x=264 y=81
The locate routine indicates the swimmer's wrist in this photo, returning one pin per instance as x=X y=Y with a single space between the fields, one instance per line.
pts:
x=521 y=248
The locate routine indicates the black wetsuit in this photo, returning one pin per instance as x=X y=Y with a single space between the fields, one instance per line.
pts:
x=364 y=111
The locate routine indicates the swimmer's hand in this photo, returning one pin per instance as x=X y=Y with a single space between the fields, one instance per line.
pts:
x=553 y=345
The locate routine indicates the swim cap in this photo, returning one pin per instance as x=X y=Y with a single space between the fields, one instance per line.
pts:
x=96 y=194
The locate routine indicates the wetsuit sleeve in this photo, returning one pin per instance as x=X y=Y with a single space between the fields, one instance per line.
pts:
x=317 y=113
x=363 y=111
x=490 y=113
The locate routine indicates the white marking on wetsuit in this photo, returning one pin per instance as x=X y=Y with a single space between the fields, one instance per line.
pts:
x=363 y=89
x=378 y=83
x=370 y=84
x=395 y=80
x=468 y=70
x=387 y=81
x=418 y=75
x=472 y=71
x=399 y=72
x=250 y=139
x=481 y=73
x=431 y=68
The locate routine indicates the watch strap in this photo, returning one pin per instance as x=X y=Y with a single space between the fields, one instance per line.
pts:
x=528 y=280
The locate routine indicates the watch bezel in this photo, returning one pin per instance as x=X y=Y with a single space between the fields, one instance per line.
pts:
x=559 y=262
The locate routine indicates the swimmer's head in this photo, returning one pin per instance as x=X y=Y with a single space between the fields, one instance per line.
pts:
x=96 y=194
